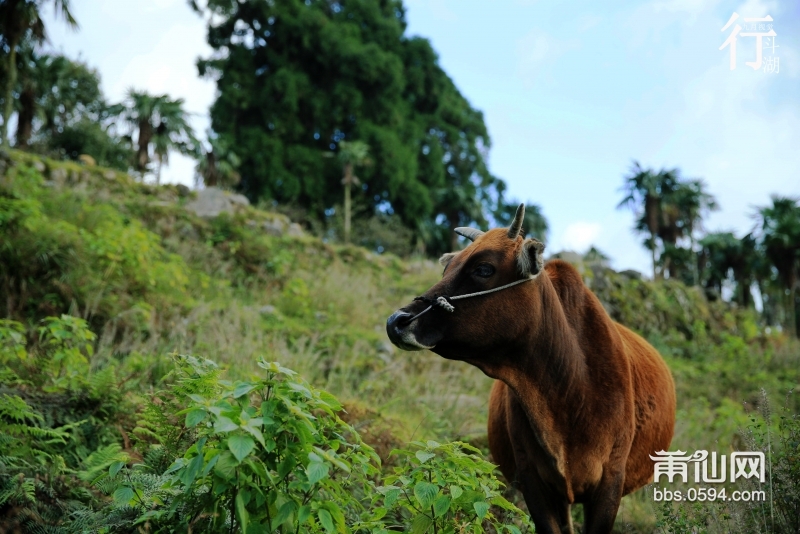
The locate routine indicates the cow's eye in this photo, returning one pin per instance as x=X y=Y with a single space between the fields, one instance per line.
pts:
x=484 y=270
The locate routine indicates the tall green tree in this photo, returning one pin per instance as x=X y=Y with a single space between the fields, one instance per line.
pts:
x=352 y=154
x=159 y=122
x=779 y=228
x=21 y=20
x=295 y=78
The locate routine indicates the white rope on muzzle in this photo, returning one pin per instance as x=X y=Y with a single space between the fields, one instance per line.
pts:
x=442 y=300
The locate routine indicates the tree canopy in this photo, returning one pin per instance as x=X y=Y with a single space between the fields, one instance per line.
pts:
x=669 y=211
x=668 y=208
x=21 y=20
x=296 y=78
x=61 y=110
x=159 y=121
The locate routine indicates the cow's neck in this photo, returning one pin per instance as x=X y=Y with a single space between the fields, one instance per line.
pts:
x=550 y=368
x=550 y=357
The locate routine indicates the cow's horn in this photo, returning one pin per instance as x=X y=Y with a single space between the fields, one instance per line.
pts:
x=516 y=225
x=470 y=233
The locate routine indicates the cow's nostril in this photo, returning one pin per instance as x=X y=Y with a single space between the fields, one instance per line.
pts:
x=397 y=321
x=404 y=320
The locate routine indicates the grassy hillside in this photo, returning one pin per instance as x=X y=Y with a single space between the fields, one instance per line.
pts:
x=153 y=280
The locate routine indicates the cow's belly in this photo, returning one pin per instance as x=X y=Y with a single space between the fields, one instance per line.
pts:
x=654 y=397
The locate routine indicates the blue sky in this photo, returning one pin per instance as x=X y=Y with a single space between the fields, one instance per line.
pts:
x=571 y=94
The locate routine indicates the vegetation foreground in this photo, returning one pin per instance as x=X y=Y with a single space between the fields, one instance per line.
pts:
x=115 y=418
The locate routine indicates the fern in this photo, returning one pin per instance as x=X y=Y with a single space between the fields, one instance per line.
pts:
x=103 y=383
x=15 y=408
x=56 y=427
x=12 y=341
x=18 y=489
x=102 y=462
x=160 y=426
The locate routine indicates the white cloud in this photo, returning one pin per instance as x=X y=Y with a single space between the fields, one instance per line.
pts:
x=757 y=8
x=438 y=9
x=692 y=7
x=587 y=22
x=532 y=49
x=168 y=66
x=536 y=49
x=579 y=236
x=749 y=144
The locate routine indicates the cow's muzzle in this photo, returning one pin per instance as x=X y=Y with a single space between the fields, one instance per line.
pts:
x=400 y=331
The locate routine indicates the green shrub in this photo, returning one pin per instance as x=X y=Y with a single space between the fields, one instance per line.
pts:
x=54 y=413
x=58 y=249
x=780 y=511
x=268 y=455
x=295 y=299
x=444 y=488
x=779 y=440
x=272 y=455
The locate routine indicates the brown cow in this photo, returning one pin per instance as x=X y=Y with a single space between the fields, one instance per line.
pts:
x=580 y=401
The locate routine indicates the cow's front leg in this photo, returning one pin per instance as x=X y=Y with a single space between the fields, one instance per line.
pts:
x=547 y=503
x=600 y=510
x=550 y=512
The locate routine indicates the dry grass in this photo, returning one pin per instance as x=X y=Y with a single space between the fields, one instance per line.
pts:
x=344 y=350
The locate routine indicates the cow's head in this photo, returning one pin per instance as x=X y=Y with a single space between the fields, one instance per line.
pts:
x=495 y=258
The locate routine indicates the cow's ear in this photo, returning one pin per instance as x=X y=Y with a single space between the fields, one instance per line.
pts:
x=445 y=260
x=530 y=258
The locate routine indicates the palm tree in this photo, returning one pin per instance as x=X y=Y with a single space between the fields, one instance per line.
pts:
x=351 y=154
x=55 y=90
x=21 y=20
x=173 y=133
x=684 y=204
x=69 y=90
x=219 y=165
x=668 y=208
x=724 y=256
x=160 y=122
x=29 y=74
x=645 y=190
x=780 y=239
